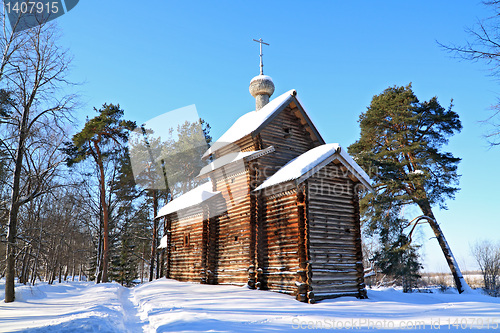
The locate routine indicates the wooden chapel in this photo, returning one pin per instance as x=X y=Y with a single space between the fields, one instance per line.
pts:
x=279 y=210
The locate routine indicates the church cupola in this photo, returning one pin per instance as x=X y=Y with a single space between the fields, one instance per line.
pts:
x=261 y=86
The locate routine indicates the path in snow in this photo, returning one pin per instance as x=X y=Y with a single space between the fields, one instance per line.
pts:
x=71 y=307
x=132 y=321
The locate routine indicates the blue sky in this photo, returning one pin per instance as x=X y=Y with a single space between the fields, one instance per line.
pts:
x=156 y=56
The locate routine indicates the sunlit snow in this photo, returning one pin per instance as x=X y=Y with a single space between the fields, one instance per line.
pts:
x=172 y=306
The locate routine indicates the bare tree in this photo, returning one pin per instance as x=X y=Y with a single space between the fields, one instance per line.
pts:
x=484 y=45
x=52 y=237
x=487 y=255
x=34 y=73
x=10 y=42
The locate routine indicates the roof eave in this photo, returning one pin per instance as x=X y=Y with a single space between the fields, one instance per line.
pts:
x=308 y=120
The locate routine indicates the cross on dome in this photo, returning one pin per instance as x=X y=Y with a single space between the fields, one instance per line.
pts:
x=260 y=41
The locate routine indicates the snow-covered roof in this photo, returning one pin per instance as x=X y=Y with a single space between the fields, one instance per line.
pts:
x=306 y=162
x=232 y=158
x=249 y=122
x=194 y=197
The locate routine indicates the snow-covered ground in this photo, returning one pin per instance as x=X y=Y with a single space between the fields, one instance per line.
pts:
x=171 y=306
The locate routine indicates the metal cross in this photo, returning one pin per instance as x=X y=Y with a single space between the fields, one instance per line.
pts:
x=261 y=63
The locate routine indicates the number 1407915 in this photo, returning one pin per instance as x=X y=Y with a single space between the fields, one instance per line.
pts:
x=32 y=7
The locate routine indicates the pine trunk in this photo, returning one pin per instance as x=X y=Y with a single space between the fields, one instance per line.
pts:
x=105 y=216
x=98 y=270
x=450 y=259
x=162 y=257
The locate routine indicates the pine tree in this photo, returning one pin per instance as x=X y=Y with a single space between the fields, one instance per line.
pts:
x=401 y=144
x=400 y=260
x=101 y=138
x=124 y=264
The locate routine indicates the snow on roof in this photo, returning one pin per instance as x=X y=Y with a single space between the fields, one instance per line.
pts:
x=308 y=161
x=194 y=197
x=234 y=157
x=249 y=122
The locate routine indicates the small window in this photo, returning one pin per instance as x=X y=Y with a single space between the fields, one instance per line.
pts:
x=235 y=238
x=186 y=239
x=287 y=131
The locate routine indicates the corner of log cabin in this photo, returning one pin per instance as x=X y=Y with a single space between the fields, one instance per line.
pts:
x=334 y=234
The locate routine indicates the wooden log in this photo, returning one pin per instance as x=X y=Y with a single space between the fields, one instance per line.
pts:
x=334 y=233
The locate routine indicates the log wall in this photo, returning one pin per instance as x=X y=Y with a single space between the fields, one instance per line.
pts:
x=288 y=136
x=334 y=237
x=186 y=246
x=233 y=230
x=246 y=143
x=277 y=243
